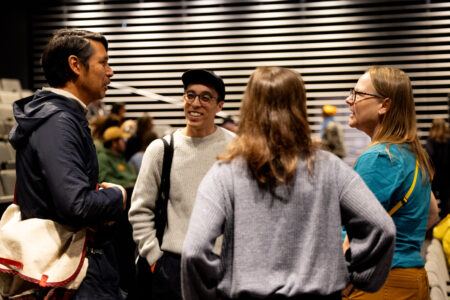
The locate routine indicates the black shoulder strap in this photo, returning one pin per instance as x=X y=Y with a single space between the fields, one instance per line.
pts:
x=164 y=188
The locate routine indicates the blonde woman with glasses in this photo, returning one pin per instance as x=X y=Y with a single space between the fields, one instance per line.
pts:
x=395 y=167
x=279 y=203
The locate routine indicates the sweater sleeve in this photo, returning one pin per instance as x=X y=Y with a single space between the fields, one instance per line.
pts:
x=371 y=233
x=141 y=214
x=200 y=267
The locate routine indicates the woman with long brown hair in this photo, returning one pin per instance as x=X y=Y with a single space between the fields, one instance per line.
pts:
x=396 y=169
x=279 y=203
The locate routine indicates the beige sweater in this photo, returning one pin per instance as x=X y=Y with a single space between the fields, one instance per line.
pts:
x=192 y=159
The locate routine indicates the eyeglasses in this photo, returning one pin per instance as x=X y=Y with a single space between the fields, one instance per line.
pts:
x=204 y=98
x=354 y=93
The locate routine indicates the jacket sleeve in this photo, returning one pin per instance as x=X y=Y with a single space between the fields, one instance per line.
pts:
x=200 y=266
x=61 y=155
x=371 y=233
x=141 y=214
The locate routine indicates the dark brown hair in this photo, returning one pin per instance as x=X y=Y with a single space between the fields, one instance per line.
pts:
x=273 y=131
x=66 y=42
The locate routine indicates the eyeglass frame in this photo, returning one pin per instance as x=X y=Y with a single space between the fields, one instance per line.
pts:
x=199 y=98
x=354 y=92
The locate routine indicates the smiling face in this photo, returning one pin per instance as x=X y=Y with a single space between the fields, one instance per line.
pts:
x=200 y=115
x=94 y=78
x=366 y=109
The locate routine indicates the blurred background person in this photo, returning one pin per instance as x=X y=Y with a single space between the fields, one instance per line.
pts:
x=96 y=124
x=99 y=127
x=111 y=161
x=129 y=126
x=382 y=106
x=118 y=111
x=94 y=110
x=438 y=148
x=277 y=201
x=331 y=132
x=113 y=166
x=144 y=129
x=230 y=124
x=136 y=160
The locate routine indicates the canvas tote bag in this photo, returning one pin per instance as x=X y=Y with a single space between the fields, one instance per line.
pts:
x=37 y=253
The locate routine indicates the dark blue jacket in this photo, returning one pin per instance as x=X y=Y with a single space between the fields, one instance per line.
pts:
x=56 y=163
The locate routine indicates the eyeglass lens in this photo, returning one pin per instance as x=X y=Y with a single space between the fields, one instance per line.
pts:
x=205 y=98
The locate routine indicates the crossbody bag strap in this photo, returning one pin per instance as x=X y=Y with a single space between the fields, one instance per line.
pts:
x=408 y=193
x=164 y=188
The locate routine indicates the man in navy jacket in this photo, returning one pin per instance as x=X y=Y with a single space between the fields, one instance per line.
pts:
x=56 y=163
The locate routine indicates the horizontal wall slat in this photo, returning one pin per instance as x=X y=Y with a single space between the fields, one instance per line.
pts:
x=331 y=43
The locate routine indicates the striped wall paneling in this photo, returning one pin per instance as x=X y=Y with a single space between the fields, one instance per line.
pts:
x=331 y=43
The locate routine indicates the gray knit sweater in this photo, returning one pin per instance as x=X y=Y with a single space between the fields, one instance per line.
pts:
x=193 y=157
x=290 y=244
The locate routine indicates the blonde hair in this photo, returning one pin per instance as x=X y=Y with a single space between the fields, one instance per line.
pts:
x=439 y=131
x=398 y=124
x=273 y=131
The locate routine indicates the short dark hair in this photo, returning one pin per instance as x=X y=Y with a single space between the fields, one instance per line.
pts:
x=63 y=43
x=228 y=119
x=116 y=107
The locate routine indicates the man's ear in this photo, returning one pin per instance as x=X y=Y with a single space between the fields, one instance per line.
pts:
x=385 y=106
x=219 y=106
x=74 y=64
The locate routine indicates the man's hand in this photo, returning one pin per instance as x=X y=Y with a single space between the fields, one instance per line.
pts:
x=107 y=185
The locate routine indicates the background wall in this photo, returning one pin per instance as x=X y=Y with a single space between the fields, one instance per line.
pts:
x=15 y=54
x=331 y=43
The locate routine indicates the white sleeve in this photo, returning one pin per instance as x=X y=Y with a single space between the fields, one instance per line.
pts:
x=141 y=214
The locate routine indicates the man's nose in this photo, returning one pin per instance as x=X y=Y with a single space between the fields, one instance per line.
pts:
x=109 y=72
x=196 y=101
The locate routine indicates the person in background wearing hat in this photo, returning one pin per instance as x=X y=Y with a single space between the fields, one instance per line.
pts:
x=56 y=163
x=196 y=147
x=331 y=133
x=111 y=161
